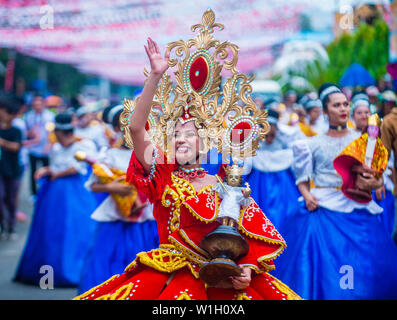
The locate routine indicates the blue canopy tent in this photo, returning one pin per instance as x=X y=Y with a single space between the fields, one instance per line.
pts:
x=356 y=75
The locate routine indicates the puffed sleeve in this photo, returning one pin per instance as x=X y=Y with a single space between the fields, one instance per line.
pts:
x=152 y=184
x=302 y=165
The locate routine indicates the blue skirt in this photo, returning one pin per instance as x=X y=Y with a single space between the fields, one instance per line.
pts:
x=338 y=256
x=276 y=194
x=114 y=246
x=60 y=232
x=388 y=211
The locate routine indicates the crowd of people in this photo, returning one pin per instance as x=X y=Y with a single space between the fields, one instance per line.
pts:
x=79 y=229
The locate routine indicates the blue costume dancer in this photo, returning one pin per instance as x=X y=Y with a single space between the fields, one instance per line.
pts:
x=270 y=172
x=61 y=227
x=118 y=239
x=338 y=248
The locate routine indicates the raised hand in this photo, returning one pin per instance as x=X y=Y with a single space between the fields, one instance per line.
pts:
x=158 y=64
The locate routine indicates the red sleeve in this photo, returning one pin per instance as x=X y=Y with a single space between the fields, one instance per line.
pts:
x=260 y=255
x=152 y=185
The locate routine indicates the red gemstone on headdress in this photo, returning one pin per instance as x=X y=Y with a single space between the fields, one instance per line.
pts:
x=198 y=73
x=240 y=132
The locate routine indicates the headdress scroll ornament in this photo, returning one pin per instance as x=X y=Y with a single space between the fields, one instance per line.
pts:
x=226 y=118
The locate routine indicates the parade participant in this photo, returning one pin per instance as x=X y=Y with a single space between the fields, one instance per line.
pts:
x=360 y=111
x=332 y=234
x=373 y=93
x=10 y=167
x=88 y=129
x=269 y=172
x=61 y=227
x=168 y=171
x=313 y=122
x=389 y=139
x=36 y=121
x=388 y=102
x=119 y=235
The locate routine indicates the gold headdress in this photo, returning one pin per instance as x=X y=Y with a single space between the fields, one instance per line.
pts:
x=374 y=120
x=226 y=119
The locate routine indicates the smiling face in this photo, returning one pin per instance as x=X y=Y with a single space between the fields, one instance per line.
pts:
x=186 y=143
x=338 y=109
x=360 y=116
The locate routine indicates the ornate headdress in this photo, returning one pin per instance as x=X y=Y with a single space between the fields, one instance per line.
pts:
x=226 y=119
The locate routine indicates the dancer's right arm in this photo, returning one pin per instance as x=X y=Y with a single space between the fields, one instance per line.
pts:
x=310 y=200
x=140 y=138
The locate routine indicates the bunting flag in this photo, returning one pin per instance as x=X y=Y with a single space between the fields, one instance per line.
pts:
x=106 y=38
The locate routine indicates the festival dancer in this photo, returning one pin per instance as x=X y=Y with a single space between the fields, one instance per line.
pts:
x=89 y=129
x=122 y=231
x=337 y=242
x=61 y=227
x=271 y=174
x=168 y=171
x=360 y=111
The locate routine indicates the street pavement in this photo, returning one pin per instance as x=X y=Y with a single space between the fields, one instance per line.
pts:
x=10 y=252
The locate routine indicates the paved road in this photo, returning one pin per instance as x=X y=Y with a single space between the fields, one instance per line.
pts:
x=10 y=252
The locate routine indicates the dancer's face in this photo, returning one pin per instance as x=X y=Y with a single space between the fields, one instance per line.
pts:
x=271 y=135
x=186 y=143
x=360 y=116
x=338 y=109
x=314 y=114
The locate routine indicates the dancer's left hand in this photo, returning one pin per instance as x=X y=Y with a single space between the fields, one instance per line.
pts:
x=243 y=281
x=365 y=178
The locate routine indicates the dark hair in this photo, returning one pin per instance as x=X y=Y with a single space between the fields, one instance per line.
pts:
x=10 y=104
x=116 y=119
x=325 y=99
x=272 y=113
x=63 y=119
x=105 y=114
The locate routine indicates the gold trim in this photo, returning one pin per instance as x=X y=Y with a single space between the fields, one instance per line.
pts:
x=184 y=296
x=191 y=243
x=243 y=296
x=282 y=287
x=89 y=292
x=257 y=236
x=192 y=256
x=197 y=215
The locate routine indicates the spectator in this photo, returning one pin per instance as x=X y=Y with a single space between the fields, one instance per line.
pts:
x=10 y=168
x=389 y=139
x=37 y=143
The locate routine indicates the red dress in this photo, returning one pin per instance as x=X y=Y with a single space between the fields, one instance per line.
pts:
x=183 y=217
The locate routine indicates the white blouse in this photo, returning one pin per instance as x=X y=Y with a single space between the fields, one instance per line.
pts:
x=313 y=159
x=62 y=158
x=107 y=211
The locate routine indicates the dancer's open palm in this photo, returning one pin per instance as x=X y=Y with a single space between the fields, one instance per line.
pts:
x=158 y=64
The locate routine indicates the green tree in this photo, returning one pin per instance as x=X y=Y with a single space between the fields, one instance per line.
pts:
x=368 y=46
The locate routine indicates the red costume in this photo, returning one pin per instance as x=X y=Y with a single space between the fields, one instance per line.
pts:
x=184 y=216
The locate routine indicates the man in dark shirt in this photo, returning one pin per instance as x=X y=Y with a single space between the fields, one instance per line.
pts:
x=10 y=167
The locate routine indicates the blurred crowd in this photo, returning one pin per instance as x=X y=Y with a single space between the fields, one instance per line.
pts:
x=31 y=126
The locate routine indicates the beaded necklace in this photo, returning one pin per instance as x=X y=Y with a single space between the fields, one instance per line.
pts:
x=190 y=174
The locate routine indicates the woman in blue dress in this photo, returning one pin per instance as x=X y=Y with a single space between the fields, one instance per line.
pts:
x=337 y=248
x=61 y=225
x=270 y=173
x=117 y=238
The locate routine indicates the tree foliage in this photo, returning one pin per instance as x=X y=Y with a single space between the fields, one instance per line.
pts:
x=368 y=46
